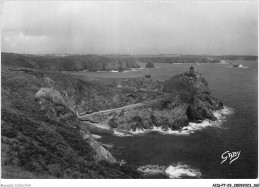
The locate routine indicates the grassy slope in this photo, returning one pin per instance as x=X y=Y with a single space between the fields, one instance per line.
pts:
x=35 y=145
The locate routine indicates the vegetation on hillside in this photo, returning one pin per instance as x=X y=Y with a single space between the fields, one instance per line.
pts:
x=45 y=141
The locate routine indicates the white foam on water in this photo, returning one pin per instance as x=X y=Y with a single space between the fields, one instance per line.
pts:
x=242 y=66
x=120 y=134
x=140 y=131
x=179 y=170
x=239 y=66
x=173 y=171
x=130 y=70
x=96 y=136
x=152 y=169
x=192 y=127
x=221 y=114
x=137 y=69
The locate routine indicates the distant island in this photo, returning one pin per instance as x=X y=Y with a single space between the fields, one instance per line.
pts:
x=149 y=65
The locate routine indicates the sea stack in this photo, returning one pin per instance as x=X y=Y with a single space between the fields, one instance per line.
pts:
x=149 y=65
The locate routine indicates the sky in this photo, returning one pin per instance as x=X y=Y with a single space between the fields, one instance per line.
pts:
x=144 y=27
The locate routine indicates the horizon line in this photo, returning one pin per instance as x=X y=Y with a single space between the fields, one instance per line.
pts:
x=124 y=54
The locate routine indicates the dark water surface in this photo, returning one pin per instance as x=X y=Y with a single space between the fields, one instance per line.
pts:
x=202 y=150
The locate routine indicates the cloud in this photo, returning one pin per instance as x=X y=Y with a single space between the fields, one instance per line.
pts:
x=129 y=27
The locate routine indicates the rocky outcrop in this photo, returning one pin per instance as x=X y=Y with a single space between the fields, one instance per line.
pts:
x=202 y=107
x=149 y=65
x=148 y=117
x=190 y=101
x=100 y=153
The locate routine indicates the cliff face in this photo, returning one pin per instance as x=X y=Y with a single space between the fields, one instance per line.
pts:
x=53 y=105
x=42 y=136
x=193 y=88
x=190 y=101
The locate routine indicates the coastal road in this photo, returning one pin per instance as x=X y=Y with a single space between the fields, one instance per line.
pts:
x=118 y=110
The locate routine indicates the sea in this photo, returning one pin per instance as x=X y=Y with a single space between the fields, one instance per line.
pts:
x=200 y=150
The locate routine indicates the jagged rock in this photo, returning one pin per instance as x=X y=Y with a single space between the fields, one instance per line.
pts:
x=191 y=101
x=100 y=153
x=202 y=107
x=147 y=76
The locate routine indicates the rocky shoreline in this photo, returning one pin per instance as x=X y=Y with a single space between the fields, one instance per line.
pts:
x=189 y=101
x=40 y=117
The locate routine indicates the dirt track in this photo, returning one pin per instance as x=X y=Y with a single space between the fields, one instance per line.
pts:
x=117 y=110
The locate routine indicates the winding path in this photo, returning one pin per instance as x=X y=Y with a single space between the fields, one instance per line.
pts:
x=118 y=110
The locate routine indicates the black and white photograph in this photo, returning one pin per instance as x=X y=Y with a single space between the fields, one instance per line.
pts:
x=147 y=93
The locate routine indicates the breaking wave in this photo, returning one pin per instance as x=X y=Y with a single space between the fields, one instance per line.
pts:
x=122 y=134
x=191 y=128
x=173 y=171
x=239 y=66
x=242 y=66
x=181 y=170
x=134 y=69
x=152 y=169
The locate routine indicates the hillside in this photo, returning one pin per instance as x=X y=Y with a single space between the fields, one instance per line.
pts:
x=41 y=135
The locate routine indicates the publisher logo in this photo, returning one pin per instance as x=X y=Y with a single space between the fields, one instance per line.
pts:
x=230 y=156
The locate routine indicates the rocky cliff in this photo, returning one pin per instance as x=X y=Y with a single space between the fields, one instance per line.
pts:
x=190 y=101
x=54 y=106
